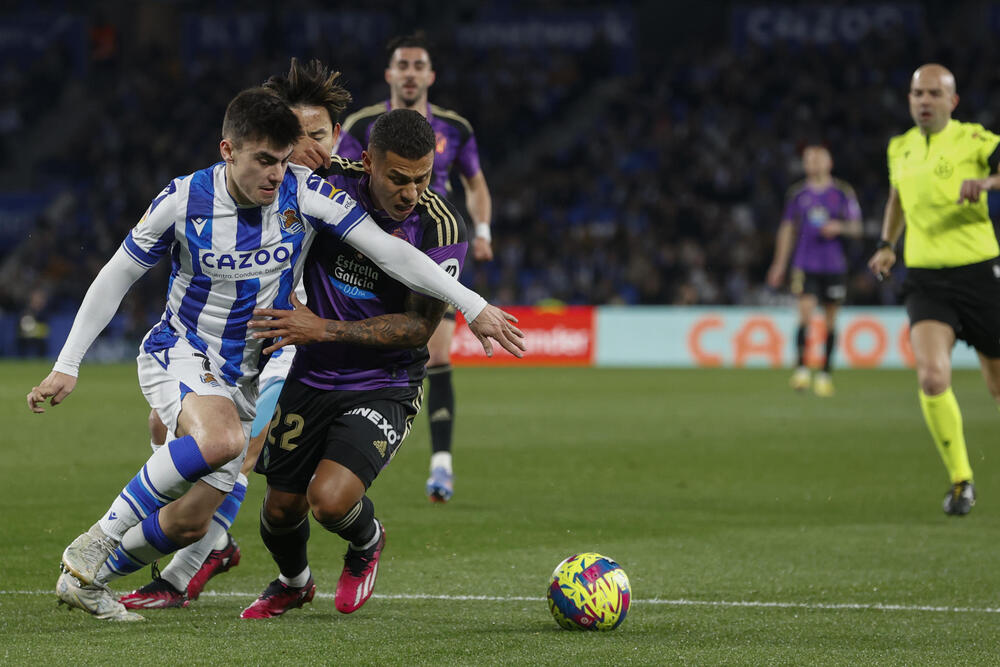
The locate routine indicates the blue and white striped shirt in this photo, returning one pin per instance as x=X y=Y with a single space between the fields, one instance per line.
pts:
x=227 y=260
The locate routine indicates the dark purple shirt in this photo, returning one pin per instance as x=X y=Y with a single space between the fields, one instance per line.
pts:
x=342 y=284
x=456 y=144
x=809 y=209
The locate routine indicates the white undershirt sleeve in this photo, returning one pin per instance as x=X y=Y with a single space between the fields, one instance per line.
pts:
x=99 y=306
x=413 y=268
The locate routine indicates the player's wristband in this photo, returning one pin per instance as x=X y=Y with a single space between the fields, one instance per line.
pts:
x=483 y=231
x=883 y=244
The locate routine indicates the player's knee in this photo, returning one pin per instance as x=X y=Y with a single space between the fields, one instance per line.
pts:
x=934 y=380
x=279 y=517
x=330 y=510
x=221 y=445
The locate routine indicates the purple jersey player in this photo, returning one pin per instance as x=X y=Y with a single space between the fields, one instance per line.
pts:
x=410 y=74
x=820 y=211
x=346 y=286
x=355 y=387
x=455 y=144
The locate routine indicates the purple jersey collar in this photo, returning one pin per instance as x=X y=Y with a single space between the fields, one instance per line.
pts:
x=388 y=107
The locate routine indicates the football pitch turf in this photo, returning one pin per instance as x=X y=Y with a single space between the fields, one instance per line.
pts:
x=757 y=526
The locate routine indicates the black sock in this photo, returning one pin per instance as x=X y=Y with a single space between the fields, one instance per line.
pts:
x=440 y=407
x=831 y=343
x=358 y=525
x=800 y=344
x=287 y=546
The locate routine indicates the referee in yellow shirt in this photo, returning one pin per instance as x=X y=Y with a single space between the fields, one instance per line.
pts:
x=939 y=172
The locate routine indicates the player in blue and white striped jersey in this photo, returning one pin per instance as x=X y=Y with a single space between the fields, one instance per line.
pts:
x=236 y=233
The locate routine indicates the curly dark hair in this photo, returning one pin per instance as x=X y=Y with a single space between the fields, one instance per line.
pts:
x=258 y=113
x=312 y=84
x=404 y=132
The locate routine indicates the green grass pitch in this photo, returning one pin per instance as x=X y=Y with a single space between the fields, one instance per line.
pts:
x=757 y=526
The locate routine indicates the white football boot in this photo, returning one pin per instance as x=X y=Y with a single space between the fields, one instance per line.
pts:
x=94 y=599
x=86 y=554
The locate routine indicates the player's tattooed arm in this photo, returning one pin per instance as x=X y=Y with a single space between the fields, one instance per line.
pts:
x=411 y=328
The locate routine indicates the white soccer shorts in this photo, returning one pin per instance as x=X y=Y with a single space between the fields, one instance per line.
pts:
x=167 y=375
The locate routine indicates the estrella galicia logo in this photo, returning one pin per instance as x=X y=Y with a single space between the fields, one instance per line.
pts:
x=353 y=291
x=290 y=221
x=354 y=277
x=817 y=216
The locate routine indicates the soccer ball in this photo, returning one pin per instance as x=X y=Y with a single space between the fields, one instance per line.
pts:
x=589 y=592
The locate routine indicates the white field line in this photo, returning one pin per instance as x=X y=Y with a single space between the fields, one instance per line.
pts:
x=762 y=604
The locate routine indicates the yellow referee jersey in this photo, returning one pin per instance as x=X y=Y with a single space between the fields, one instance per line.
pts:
x=928 y=173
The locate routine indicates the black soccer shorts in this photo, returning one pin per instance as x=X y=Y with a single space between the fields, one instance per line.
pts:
x=966 y=298
x=360 y=430
x=826 y=287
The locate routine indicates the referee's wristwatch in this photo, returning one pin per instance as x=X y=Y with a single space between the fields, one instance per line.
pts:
x=883 y=244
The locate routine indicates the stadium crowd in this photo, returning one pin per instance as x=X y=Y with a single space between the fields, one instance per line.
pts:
x=668 y=190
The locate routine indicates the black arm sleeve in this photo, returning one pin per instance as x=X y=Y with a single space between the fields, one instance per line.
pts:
x=994 y=160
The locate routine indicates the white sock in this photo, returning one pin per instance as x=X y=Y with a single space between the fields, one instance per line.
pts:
x=441 y=460
x=186 y=562
x=167 y=475
x=298 y=581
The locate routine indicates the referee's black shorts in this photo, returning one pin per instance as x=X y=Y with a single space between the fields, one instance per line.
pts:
x=966 y=298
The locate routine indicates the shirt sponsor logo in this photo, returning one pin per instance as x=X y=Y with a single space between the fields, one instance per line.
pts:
x=245 y=264
x=375 y=417
x=353 y=278
x=817 y=216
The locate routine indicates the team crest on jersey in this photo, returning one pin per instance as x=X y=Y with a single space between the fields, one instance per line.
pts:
x=441 y=143
x=290 y=221
x=943 y=169
x=209 y=379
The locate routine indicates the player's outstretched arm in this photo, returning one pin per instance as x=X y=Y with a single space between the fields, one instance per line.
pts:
x=301 y=326
x=413 y=268
x=98 y=307
x=409 y=329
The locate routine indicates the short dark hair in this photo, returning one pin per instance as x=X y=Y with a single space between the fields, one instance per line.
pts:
x=312 y=85
x=404 y=132
x=258 y=113
x=416 y=40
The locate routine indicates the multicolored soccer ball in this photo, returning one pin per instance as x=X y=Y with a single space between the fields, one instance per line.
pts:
x=589 y=592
